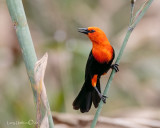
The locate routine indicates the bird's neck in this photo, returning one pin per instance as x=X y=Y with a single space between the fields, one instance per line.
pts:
x=102 y=51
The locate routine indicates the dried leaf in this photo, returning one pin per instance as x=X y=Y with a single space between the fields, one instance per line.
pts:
x=45 y=123
x=42 y=102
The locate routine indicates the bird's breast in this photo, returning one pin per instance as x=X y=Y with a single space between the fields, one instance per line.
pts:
x=103 y=54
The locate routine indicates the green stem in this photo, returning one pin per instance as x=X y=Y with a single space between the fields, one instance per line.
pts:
x=20 y=24
x=130 y=29
x=17 y=13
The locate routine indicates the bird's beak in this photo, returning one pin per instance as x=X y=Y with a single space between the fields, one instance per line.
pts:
x=83 y=30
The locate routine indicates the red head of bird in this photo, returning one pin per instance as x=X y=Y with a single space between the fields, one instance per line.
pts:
x=95 y=34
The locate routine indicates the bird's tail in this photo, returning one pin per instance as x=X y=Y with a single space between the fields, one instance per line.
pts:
x=86 y=96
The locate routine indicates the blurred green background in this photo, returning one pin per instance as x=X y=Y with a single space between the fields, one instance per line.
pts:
x=53 y=25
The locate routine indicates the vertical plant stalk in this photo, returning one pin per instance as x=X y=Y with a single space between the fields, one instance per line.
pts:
x=17 y=13
x=140 y=13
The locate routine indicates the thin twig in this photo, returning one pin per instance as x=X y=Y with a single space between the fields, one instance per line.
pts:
x=132 y=10
x=142 y=11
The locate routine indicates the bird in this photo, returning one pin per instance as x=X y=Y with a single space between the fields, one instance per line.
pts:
x=99 y=62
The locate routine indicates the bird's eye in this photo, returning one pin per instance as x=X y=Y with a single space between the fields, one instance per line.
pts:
x=91 y=31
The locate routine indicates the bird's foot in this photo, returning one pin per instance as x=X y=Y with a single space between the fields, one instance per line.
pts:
x=115 y=67
x=103 y=98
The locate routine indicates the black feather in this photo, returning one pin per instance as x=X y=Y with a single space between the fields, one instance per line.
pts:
x=84 y=99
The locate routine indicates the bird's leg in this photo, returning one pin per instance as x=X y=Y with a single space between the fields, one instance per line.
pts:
x=94 y=83
x=103 y=98
x=115 y=67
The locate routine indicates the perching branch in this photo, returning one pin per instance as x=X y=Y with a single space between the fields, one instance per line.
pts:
x=133 y=22
x=17 y=13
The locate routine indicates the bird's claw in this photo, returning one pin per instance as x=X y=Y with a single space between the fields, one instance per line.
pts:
x=115 y=67
x=103 y=98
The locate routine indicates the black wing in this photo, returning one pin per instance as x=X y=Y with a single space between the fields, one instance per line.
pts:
x=89 y=72
x=89 y=65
